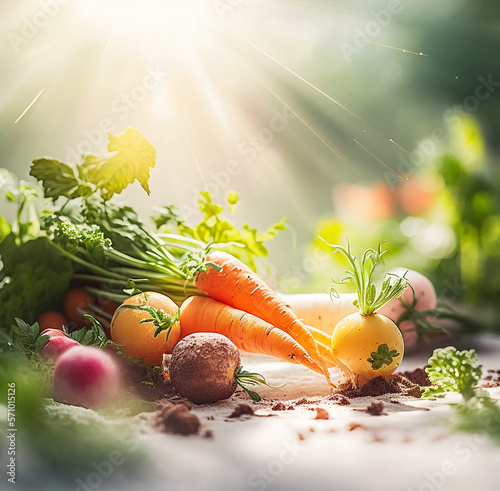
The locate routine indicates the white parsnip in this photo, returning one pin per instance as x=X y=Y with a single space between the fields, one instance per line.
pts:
x=320 y=310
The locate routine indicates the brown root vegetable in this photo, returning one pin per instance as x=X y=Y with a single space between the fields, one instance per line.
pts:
x=206 y=368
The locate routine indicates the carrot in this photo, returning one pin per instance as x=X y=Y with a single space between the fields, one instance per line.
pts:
x=320 y=336
x=233 y=283
x=247 y=332
x=332 y=360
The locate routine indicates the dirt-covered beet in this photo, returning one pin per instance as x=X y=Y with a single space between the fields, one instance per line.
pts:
x=202 y=367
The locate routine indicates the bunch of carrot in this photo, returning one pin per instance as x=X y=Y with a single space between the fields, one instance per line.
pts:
x=244 y=308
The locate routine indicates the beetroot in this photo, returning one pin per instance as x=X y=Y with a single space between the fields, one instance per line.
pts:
x=58 y=344
x=86 y=376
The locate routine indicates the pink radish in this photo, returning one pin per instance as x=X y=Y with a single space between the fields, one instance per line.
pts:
x=58 y=344
x=86 y=376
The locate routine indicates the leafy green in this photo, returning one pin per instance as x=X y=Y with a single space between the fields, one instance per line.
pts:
x=382 y=357
x=5 y=228
x=245 y=378
x=95 y=336
x=362 y=275
x=27 y=338
x=450 y=370
x=130 y=158
x=34 y=277
x=60 y=179
x=160 y=319
x=479 y=414
x=246 y=244
x=79 y=239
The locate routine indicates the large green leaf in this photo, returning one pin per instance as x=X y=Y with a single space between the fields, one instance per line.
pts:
x=132 y=157
x=59 y=179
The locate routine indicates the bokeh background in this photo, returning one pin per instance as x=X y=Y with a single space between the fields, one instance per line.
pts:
x=298 y=106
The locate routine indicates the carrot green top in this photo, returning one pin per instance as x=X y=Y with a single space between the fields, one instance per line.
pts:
x=362 y=275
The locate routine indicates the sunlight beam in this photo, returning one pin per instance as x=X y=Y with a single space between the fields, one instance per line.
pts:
x=30 y=105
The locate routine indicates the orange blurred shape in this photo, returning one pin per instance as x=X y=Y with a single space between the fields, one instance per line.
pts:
x=75 y=300
x=416 y=197
x=51 y=319
x=364 y=203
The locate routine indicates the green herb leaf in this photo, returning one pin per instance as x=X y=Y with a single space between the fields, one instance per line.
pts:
x=244 y=378
x=158 y=317
x=245 y=244
x=382 y=357
x=451 y=370
x=132 y=156
x=41 y=342
x=59 y=179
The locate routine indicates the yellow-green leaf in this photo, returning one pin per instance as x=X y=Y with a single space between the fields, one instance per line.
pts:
x=132 y=157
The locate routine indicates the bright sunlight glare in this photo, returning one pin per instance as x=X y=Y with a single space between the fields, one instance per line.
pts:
x=259 y=97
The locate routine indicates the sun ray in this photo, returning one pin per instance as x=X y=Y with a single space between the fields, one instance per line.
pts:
x=383 y=163
x=393 y=47
x=29 y=106
x=193 y=154
x=300 y=118
x=399 y=146
x=317 y=89
x=105 y=48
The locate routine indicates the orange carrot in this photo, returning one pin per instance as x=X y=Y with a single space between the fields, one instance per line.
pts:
x=237 y=285
x=320 y=336
x=247 y=332
x=324 y=341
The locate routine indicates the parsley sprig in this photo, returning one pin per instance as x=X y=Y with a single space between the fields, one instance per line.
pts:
x=362 y=274
x=451 y=370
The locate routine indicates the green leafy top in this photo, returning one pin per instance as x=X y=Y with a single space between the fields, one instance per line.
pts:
x=130 y=158
x=161 y=320
x=27 y=337
x=362 y=275
x=451 y=370
x=221 y=233
x=382 y=356
x=245 y=378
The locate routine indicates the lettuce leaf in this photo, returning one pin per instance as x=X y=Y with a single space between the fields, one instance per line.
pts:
x=33 y=279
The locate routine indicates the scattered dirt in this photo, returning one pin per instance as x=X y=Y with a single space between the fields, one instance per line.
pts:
x=145 y=383
x=376 y=408
x=356 y=426
x=302 y=401
x=279 y=406
x=321 y=413
x=176 y=419
x=208 y=434
x=492 y=380
x=339 y=399
x=417 y=376
x=397 y=384
x=242 y=410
